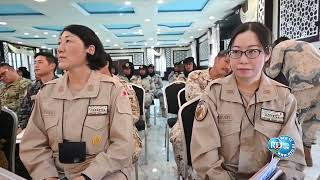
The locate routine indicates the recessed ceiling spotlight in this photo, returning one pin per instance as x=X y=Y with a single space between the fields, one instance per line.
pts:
x=146 y=44
x=180 y=45
x=127 y=3
x=54 y=35
x=121 y=48
x=40 y=0
x=211 y=17
x=152 y=47
x=19 y=42
x=150 y=39
x=26 y=34
x=135 y=43
x=124 y=33
x=45 y=33
x=147 y=20
x=158 y=32
x=3 y=23
x=191 y=37
x=107 y=40
x=158 y=43
x=200 y=29
x=43 y=47
x=158 y=29
x=36 y=36
x=116 y=45
x=121 y=14
x=160 y=1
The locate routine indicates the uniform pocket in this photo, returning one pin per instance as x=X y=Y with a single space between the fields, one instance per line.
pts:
x=270 y=129
x=228 y=128
x=51 y=125
x=95 y=133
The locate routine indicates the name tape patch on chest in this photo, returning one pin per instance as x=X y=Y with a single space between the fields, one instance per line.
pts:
x=97 y=110
x=272 y=116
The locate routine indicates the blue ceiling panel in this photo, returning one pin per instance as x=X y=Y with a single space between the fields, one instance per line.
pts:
x=105 y=8
x=130 y=34
x=183 y=6
x=122 y=26
x=30 y=38
x=16 y=10
x=176 y=25
x=176 y=33
x=6 y=30
x=49 y=28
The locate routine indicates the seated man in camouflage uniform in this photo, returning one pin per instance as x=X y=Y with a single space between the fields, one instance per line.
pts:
x=195 y=85
x=45 y=66
x=128 y=70
x=299 y=62
x=15 y=87
x=158 y=84
x=145 y=81
x=177 y=73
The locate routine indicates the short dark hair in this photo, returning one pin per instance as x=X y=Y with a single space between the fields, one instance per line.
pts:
x=279 y=40
x=50 y=58
x=223 y=53
x=89 y=37
x=6 y=65
x=108 y=60
x=25 y=72
x=262 y=32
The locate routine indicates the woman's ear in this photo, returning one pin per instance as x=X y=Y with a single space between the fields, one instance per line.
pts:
x=91 y=49
x=268 y=54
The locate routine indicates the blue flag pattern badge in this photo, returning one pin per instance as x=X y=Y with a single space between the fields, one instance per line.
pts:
x=282 y=146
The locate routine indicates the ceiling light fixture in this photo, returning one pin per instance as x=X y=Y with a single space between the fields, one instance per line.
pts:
x=124 y=33
x=19 y=42
x=146 y=44
x=36 y=36
x=26 y=34
x=160 y=1
x=43 y=47
x=54 y=35
x=147 y=20
x=40 y=0
x=211 y=17
x=191 y=37
x=158 y=43
x=127 y=3
x=3 y=23
x=200 y=29
x=150 y=39
x=107 y=40
x=116 y=45
x=45 y=33
x=121 y=48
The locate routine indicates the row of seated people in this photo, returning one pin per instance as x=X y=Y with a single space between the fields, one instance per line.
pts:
x=209 y=159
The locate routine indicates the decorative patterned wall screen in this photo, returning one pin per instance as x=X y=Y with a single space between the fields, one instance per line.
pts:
x=179 y=55
x=167 y=52
x=189 y=53
x=204 y=50
x=298 y=18
x=261 y=11
x=137 y=57
x=150 y=57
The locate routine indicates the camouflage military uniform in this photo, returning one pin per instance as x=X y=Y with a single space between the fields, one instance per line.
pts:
x=149 y=87
x=196 y=83
x=27 y=103
x=300 y=63
x=133 y=99
x=175 y=76
x=11 y=95
x=158 y=91
x=133 y=79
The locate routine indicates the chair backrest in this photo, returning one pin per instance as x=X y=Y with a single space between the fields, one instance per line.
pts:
x=8 y=128
x=186 y=118
x=140 y=93
x=182 y=97
x=171 y=96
